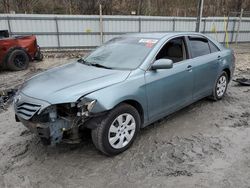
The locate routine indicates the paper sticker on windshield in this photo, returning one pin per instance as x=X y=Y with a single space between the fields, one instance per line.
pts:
x=148 y=42
x=153 y=41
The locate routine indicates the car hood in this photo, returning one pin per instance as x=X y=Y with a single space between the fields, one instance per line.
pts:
x=69 y=82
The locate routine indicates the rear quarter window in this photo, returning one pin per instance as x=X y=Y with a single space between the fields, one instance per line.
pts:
x=213 y=47
x=199 y=47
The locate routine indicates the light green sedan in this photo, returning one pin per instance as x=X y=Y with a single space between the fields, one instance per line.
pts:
x=122 y=86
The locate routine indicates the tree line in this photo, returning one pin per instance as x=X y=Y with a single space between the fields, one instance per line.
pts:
x=124 y=7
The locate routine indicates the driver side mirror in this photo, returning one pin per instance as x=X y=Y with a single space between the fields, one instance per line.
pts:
x=162 y=64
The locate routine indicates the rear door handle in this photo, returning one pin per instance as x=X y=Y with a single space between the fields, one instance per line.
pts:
x=189 y=67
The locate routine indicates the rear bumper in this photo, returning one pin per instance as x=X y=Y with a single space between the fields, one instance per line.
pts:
x=38 y=55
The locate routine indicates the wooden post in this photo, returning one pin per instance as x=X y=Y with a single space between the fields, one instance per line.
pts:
x=232 y=36
x=238 y=28
x=57 y=33
x=204 y=25
x=139 y=22
x=101 y=24
x=173 y=23
x=9 y=26
x=226 y=30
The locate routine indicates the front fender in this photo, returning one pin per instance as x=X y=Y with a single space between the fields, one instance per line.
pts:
x=131 y=89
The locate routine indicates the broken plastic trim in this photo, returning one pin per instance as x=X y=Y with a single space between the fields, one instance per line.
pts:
x=243 y=81
x=85 y=107
x=6 y=97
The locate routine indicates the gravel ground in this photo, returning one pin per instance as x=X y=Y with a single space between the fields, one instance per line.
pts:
x=207 y=144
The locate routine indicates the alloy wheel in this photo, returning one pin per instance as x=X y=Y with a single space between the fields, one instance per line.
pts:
x=221 y=86
x=121 y=131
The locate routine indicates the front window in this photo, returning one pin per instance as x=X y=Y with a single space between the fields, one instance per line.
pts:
x=121 y=53
x=174 y=49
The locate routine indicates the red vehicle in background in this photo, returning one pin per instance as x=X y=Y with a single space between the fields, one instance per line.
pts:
x=16 y=52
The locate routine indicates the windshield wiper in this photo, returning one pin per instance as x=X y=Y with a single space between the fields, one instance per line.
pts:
x=99 y=65
x=81 y=60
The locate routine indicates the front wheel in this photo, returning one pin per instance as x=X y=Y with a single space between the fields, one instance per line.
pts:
x=220 y=87
x=117 y=130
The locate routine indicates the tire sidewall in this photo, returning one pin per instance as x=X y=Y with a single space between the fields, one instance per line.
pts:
x=120 y=110
x=215 y=87
x=10 y=60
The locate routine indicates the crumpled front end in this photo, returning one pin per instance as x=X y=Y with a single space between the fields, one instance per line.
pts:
x=50 y=132
x=53 y=123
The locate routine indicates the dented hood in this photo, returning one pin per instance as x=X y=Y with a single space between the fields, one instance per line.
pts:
x=69 y=82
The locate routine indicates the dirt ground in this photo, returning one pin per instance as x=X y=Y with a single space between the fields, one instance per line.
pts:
x=206 y=144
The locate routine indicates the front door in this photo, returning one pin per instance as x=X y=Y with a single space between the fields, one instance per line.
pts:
x=170 y=89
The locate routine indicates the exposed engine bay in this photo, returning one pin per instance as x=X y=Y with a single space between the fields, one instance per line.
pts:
x=55 y=123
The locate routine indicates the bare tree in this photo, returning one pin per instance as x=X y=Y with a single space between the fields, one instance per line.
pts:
x=123 y=7
x=6 y=5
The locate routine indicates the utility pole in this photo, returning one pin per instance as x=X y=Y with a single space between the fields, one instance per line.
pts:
x=199 y=15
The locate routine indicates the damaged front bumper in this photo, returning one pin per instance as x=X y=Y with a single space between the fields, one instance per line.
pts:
x=50 y=132
x=52 y=123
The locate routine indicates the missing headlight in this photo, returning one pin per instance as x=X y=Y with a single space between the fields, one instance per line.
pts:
x=85 y=107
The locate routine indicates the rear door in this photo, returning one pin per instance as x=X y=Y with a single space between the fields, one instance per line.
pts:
x=205 y=66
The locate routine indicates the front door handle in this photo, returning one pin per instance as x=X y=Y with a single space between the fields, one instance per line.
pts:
x=189 y=68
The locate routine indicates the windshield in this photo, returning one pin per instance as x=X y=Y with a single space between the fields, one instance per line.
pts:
x=121 y=53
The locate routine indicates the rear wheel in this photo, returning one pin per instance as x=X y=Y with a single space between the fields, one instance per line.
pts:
x=18 y=60
x=117 y=130
x=220 y=87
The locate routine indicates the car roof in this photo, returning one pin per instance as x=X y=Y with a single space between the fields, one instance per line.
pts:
x=160 y=35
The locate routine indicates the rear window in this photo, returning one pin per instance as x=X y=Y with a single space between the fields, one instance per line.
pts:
x=199 y=47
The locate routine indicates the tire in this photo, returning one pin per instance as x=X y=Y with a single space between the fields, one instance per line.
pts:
x=220 y=87
x=111 y=137
x=17 y=60
x=45 y=141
